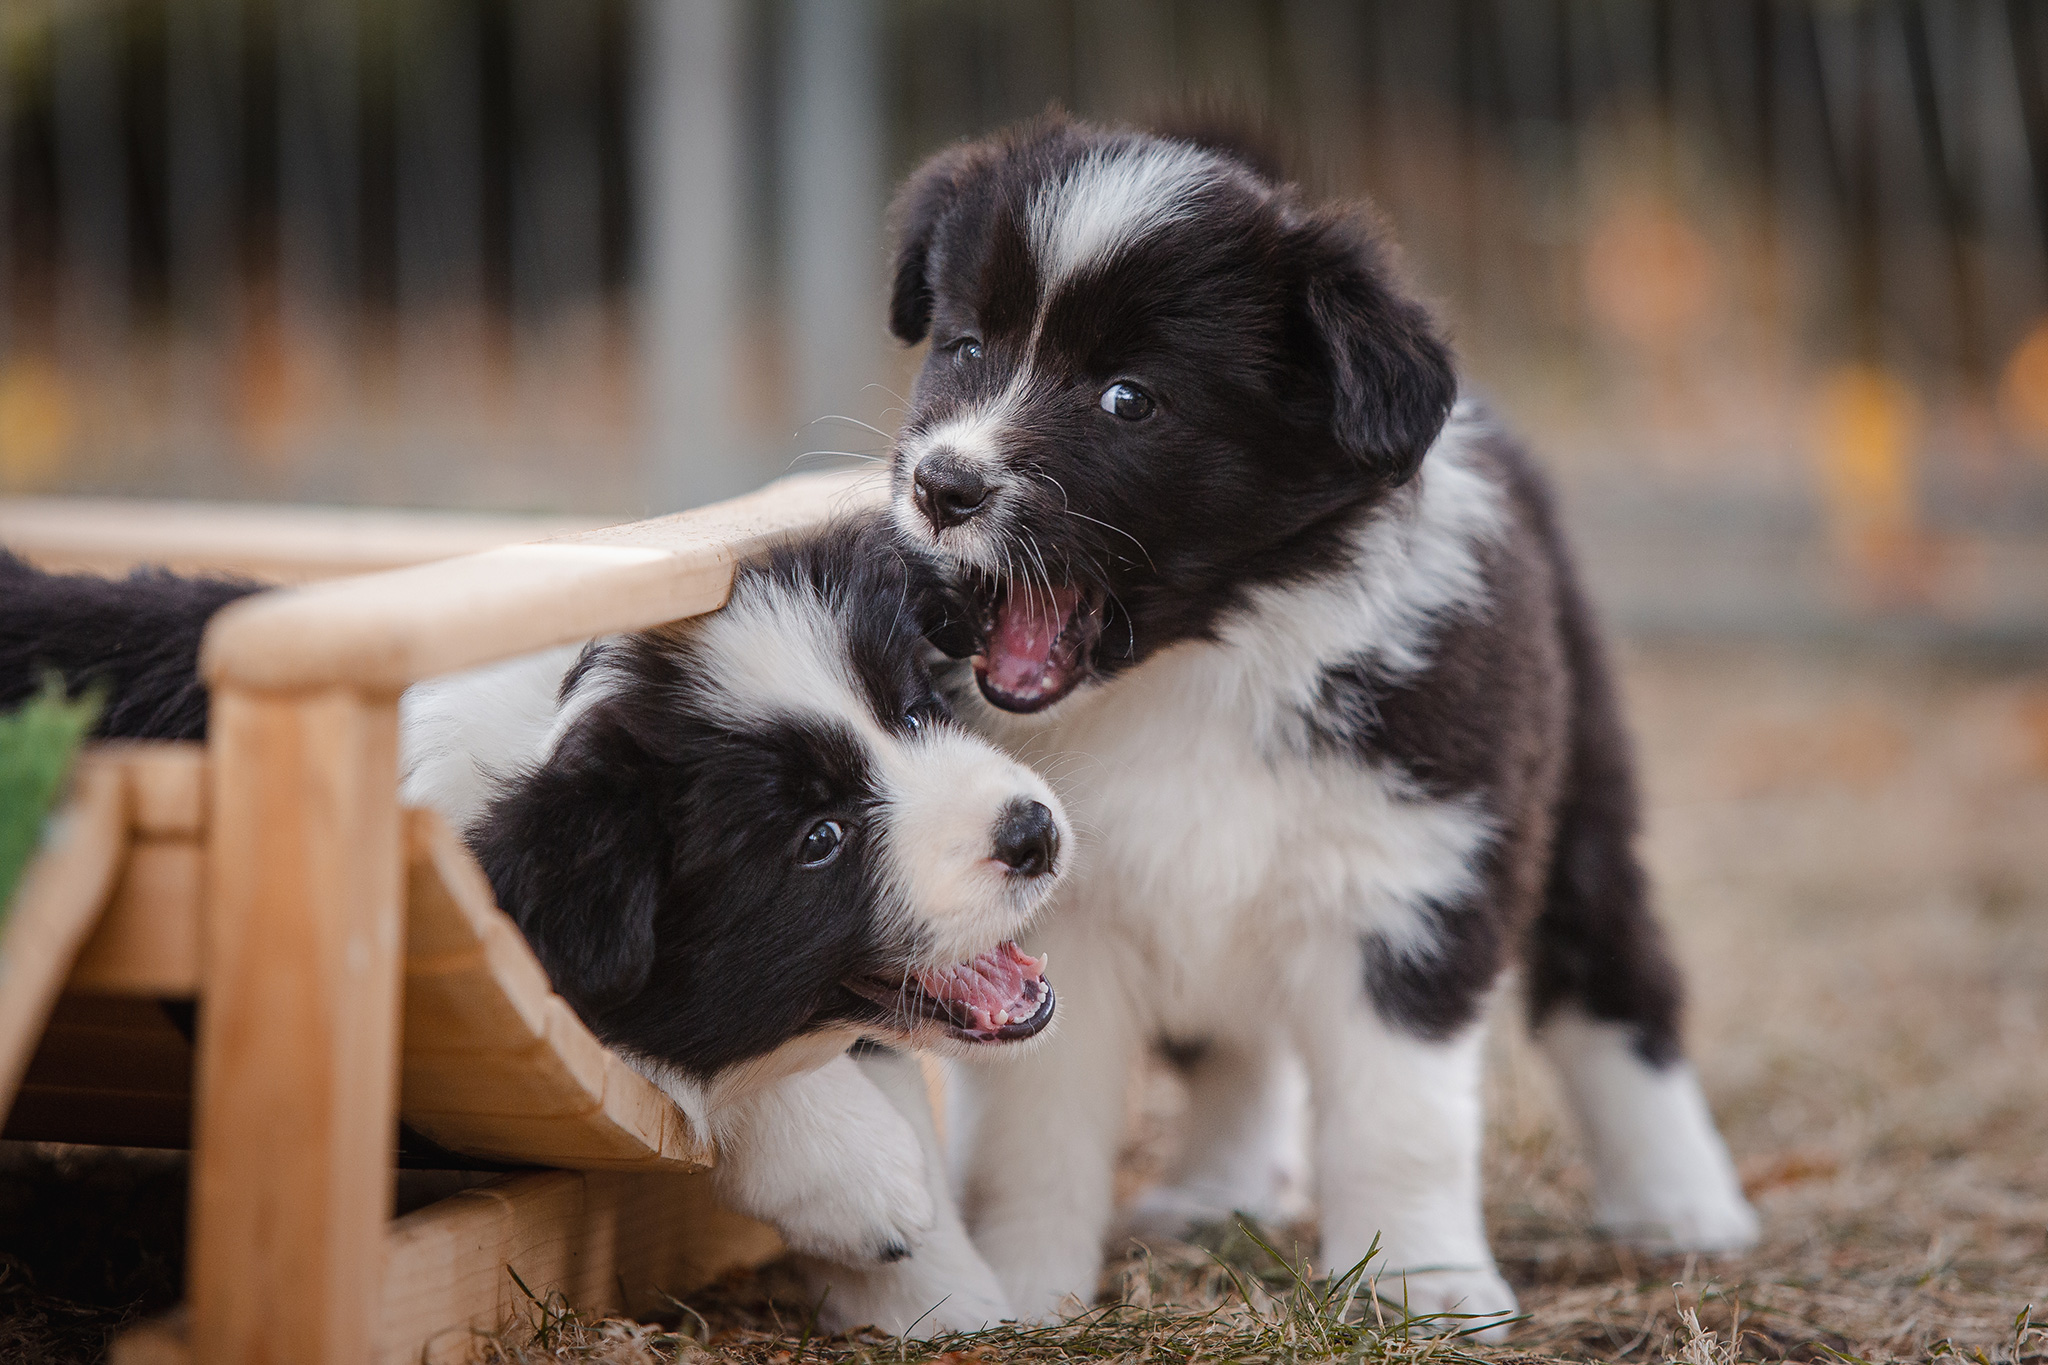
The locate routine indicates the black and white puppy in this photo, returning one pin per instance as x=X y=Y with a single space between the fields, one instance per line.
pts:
x=738 y=844
x=1329 y=704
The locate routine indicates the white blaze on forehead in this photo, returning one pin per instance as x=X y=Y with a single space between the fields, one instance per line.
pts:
x=971 y=432
x=775 y=651
x=1112 y=197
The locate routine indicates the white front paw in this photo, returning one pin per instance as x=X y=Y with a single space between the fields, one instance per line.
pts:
x=873 y=1211
x=825 y=1159
x=1050 y=1286
x=1710 y=1216
x=1474 y=1301
x=925 y=1295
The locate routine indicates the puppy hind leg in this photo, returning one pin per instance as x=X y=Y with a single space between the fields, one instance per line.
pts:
x=943 y=1285
x=1662 y=1176
x=1245 y=1145
x=1605 y=999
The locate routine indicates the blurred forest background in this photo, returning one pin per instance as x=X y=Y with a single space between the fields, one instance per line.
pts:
x=1766 y=281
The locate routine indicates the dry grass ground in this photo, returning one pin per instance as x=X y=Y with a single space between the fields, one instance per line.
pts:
x=1852 y=853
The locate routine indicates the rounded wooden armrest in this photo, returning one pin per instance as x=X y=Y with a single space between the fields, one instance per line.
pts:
x=382 y=632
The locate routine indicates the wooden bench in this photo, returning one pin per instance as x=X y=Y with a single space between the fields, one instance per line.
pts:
x=350 y=967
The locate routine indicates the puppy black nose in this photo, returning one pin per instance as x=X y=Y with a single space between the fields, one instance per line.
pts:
x=1027 y=840
x=948 y=489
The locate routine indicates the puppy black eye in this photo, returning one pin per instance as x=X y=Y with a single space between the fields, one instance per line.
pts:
x=1127 y=401
x=966 y=351
x=924 y=714
x=821 y=844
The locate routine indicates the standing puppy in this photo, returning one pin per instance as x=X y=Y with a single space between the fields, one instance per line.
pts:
x=1306 y=645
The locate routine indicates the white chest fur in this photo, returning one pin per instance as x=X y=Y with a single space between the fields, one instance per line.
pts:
x=1206 y=850
x=1215 y=836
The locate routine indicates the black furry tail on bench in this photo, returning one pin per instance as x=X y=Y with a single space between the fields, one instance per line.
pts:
x=135 y=638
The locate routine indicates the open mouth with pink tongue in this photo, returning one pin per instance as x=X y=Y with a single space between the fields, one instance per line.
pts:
x=1036 y=646
x=1001 y=996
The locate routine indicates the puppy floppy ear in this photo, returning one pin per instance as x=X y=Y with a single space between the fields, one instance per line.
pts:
x=920 y=206
x=580 y=864
x=1390 y=375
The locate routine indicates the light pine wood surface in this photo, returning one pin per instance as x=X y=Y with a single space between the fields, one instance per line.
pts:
x=494 y=1062
x=298 y=1029
x=267 y=542
x=385 y=631
x=608 y=1241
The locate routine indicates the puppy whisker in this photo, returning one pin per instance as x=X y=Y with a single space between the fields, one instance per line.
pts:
x=838 y=454
x=841 y=417
x=1067 y=509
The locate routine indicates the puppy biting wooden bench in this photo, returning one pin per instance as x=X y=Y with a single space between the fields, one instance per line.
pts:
x=349 y=967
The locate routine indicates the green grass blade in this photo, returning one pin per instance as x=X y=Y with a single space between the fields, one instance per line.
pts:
x=37 y=745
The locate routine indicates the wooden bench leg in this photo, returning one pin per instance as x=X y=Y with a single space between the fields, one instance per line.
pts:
x=296 y=1088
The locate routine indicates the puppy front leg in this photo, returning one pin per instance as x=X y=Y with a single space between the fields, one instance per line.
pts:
x=1036 y=1137
x=1244 y=1150
x=827 y=1160
x=1397 y=1135
x=943 y=1285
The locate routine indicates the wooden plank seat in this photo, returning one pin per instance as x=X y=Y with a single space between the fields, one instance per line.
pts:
x=496 y=1064
x=351 y=966
x=111 y=1068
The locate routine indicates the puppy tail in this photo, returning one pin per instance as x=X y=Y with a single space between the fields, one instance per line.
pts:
x=136 y=637
x=1596 y=946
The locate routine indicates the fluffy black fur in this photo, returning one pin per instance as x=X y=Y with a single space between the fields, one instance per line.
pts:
x=135 y=639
